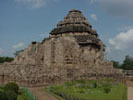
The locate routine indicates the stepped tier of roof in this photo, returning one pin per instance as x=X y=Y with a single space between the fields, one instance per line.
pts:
x=73 y=22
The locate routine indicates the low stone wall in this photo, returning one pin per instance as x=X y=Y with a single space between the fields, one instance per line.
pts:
x=38 y=75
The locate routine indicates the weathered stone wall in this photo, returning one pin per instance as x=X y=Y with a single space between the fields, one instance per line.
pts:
x=40 y=76
x=60 y=51
x=58 y=59
x=66 y=51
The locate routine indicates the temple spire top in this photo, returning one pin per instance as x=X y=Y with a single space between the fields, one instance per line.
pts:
x=73 y=22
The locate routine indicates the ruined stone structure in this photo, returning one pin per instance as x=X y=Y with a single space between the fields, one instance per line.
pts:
x=72 y=51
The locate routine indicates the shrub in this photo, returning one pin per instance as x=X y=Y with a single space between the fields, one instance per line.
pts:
x=12 y=86
x=81 y=81
x=107 y=84
x=3 y=96
x=82 y=85
x=69 y=84
x=11 y=95
x=1 y=87
x=81 y=91
x=95 y=85
x=107 y=90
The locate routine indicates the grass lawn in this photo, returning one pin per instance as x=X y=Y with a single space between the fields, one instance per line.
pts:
x=23 y=95
x=90 y=90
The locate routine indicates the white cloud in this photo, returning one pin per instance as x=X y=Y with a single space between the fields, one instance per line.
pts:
x=32 y=3
x=123 y=40
x=116 y=7
x=125 y=28
x=108 y=50
x=18 y=46
x=94 y=17
x=1 y=51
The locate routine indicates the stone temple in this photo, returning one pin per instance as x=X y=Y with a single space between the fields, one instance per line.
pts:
x=72 y=51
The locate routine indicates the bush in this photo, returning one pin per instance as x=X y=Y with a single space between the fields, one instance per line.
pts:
x=95 y=85
x=107 y=90
x=81 y=91
x=11 y=95
x=3 y=96
x=1 y=87
x=81 y=81
x=69 y=84
x=12 y=86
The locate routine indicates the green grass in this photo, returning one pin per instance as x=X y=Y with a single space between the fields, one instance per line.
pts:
x=23 y=95
x=90 y=90
x=1 y=88
x=56 y=96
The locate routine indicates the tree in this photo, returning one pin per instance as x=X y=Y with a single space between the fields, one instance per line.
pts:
x=128 y=63
x=116 y=64
x=11 y=95
x=12 y=86
x=6 y=59
x=3 y=95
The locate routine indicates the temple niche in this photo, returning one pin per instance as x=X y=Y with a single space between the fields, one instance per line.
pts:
x=72 y=51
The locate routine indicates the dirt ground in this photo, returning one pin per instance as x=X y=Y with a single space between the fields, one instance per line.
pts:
x=130 y=93
x=130 y=90
x=40 y=94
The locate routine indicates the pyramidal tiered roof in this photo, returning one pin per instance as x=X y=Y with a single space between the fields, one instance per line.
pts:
x=73 y=22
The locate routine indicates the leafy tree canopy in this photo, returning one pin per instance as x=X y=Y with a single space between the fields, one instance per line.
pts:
x=126 y=65
x=6 y=59
x=116 y=64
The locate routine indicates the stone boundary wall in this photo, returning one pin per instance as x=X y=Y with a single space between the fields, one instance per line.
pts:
x=53 y=75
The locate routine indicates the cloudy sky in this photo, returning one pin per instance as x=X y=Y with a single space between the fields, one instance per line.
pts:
x=24 y=21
